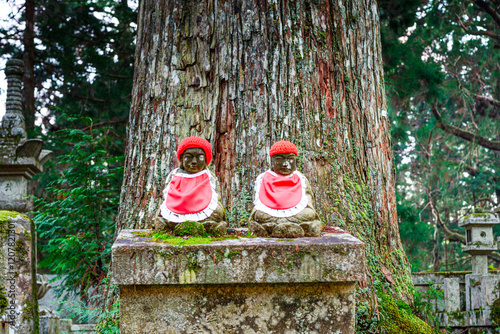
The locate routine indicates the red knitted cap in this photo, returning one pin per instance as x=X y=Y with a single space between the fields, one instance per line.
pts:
x=195 y=142
x=283 y=146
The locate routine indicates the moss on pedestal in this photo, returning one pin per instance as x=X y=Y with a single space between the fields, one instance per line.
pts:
x=4 y=217
x=189 y=228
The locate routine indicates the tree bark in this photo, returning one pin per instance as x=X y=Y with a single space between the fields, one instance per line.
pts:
x=244 y=74
x=29 y=65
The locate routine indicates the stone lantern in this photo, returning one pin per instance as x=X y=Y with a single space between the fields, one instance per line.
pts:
x=479 y=239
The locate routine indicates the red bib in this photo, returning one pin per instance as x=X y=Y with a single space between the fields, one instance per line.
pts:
x=280 y=192
x=188 y=194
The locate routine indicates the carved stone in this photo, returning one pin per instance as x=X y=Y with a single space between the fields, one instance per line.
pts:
x=20 y=158
x=193 y=164
x=295 y=222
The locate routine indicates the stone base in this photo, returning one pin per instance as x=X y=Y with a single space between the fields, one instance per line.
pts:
x=244 y=285
x=255 y=308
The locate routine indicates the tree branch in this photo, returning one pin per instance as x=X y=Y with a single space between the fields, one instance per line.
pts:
x=104 y=123
x=477 y=32
x=469 y=136
x=492 y=12
x=494 y=102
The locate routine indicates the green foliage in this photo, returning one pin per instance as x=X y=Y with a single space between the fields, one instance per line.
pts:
x=109 y=322
x=426 y=303
x=415 y=235
x=75 y=219
x=104 y=309
x=84 y=58
x=440 y=56
x=394 y=315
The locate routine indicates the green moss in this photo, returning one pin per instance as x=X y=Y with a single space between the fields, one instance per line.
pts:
x=27 y=310
x=189 y=228
x=184 y=241
x=477 y=214
x=398 y=318
x=5 y=215
x=180 y=241
x=495 y=309
x=3 y=300
x=20 y=248
x=230 y=254
x=148 y=234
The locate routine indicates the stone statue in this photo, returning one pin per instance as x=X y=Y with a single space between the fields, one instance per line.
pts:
x=283 y=199
x=192 y=193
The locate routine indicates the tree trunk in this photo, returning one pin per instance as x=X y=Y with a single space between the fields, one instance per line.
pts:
x=29 y=66
x=244 y=74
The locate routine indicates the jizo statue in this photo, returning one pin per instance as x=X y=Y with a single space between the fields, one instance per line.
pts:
x=283 y=199
x=191 y=192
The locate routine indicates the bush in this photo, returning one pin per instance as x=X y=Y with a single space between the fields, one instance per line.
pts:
x=75 y=220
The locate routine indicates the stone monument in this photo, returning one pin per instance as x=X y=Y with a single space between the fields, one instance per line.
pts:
x=283 y=199
x=20 y=158
x=479 y=239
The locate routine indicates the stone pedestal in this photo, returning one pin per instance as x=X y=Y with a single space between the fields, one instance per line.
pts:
x=245 y=285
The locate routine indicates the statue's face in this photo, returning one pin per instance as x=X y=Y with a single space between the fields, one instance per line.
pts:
x=193 y=160
x=284 y=164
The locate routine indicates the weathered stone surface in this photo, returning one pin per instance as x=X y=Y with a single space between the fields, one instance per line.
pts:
x=214 y=228
x=479 y=237
x=312 y=229
x=288 y=230
x=468 y=299
x=219 y=229
x=16 y=272
x=245 y=285
x=273 y=308
x=332 y=257
x=261 y=230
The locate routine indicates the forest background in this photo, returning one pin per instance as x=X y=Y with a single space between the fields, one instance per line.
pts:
x=442 y=73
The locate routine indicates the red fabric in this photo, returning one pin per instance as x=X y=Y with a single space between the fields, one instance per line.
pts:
x=280 y=192
x=283 y=146
x=195 y=142
x=189 y=194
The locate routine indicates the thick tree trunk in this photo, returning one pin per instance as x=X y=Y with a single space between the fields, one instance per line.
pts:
x=246 y=73
x=29 y=65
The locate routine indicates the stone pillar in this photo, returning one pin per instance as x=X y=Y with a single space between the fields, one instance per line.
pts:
x=451 y=288
x=480 y=264
x=17 y=291
x=244 y=285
